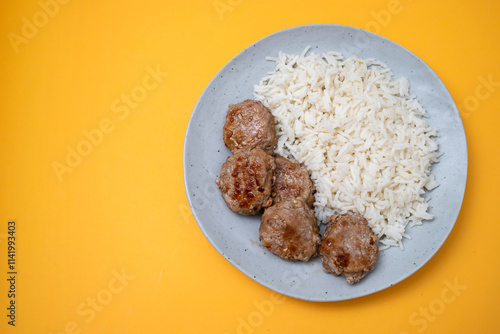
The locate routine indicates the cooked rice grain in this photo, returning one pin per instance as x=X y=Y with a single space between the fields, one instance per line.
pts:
x=359 y=133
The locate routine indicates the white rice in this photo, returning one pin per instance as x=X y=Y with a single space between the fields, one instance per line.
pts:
x=359 y=133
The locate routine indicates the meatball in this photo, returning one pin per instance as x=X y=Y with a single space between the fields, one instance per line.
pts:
x=246 y=180
x=292 y=181
x=348 y=247
x=249 y=124
x=289 y=229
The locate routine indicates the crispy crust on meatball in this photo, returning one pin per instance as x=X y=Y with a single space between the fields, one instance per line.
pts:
x=246 y=181
x=292 y=181
x=348 y=247
x=289 y=230
x=250 y=124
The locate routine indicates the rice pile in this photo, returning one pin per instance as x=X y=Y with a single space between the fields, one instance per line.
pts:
x=359 y=133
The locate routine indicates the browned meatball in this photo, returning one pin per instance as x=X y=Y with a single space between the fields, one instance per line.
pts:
x=292 y=181
x=289 y=230
x=348 y=247
x=249 y=124
x=246 y=179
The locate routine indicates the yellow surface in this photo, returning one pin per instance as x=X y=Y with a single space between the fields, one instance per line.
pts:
x=107 y=244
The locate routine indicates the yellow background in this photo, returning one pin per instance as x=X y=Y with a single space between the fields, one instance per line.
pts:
x=123 y=209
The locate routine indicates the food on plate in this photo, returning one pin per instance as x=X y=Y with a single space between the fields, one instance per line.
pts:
x=352 y=143
x=348 y=247
x=246 y=181
x=289 y=230
x=360 y=135
x=292 y=181
x=249 y=124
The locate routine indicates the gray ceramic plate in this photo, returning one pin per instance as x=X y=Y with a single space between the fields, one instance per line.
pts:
x=236 y=237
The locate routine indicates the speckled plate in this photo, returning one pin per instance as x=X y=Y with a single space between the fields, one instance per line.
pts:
x=236 y=237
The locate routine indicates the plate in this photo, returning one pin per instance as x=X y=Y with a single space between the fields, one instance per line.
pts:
x=235 y=237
